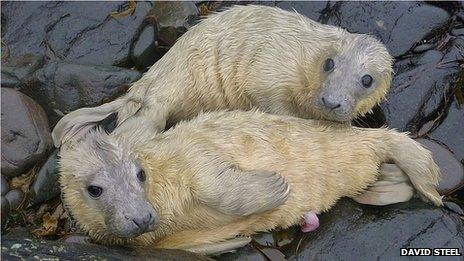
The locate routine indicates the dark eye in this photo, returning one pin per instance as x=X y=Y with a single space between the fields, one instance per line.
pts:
x=95 y=191
x=366 y=81
x=141 y=175
x=328 y=65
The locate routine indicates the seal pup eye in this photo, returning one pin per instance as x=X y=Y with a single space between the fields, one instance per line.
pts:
x=94 y=191
x=366 y=81
x=329 y=64
x=141 y=175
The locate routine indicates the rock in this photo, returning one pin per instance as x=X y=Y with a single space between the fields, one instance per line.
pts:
x=314 y=10
x=417 y=90
x=14 y=197
x=350 y=231
x=453 y=207
x=450 y=131
x=25 y=133
x=46 y=184
x=399 y=25
x=246 y=253
x=62 y=87
x=18 y=68
x=5 y=186
x=5 y=210
x=165 y=22
x=144 y=51
x=452 y=171
x=172 y=19
x=18 y=244
x=73 y=31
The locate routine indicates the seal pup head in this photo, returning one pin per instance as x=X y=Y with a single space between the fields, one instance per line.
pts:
x=105 y=187
x=353 y=74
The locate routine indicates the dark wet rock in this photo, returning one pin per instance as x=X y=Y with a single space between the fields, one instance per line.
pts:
x=246 y=253
x=144 y=52
x=46 y=185
x=5 y=186
x=311 y=9
x=249 y=253
x=62 y=87
x=172 y=19
x=18 y=68
x=350 y=231
x=5 y=210
x=399 y=25
x=25 y=133
x=72 y=31
x=165 y=22
x=418 y=89
x=452 y=171
x=453 y=207
x=450 y=131
x=20 y=245
x=14 y=197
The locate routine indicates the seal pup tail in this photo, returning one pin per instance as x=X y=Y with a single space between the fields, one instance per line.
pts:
x=418 y=164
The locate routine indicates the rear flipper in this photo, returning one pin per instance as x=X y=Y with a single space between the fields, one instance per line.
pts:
x=393 y=186
x=311 y=222
x=238 y=192
x=219 y=247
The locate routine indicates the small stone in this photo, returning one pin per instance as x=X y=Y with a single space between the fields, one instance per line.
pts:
x=25 y=133
x=5 y=210
x=18 y=68
x=5 y=186
x=144 y=52
x=14 y=197
x=173 y=19
x=46 y=185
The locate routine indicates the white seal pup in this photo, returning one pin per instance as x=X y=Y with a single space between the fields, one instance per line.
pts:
x=226 y=173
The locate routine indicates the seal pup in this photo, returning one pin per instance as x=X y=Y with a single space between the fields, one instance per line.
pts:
x=226 y=173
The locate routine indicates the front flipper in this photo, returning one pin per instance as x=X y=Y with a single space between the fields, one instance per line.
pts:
x=238 y=192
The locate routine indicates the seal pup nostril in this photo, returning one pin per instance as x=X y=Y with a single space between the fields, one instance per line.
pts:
x=330 y=104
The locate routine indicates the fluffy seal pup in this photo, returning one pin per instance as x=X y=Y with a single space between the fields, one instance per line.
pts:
x=253 y=56
x=256 y=57
x=226 y=173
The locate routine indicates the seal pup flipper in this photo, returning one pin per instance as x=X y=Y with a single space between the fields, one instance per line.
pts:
x=78 y=123
x=220 y=247
x=240 y=192
x=393 y=186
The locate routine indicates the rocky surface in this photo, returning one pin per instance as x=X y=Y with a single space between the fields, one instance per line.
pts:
x=17 y=69
x=91 y=33
x=62 y=87
x=20 y=245
x=15 y=198
x=359 y=232
x=452 y=171
x=46 y=186
x=165 y=22
x=67 y=55
x=25 y=133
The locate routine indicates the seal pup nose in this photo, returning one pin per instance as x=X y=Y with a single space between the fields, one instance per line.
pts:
x=330 y=104
x=145 y=222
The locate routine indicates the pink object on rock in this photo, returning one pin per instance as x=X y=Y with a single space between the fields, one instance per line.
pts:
x=311 y=222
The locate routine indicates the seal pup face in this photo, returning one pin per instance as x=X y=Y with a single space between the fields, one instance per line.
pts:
x=355 y=75
x=105 y=188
